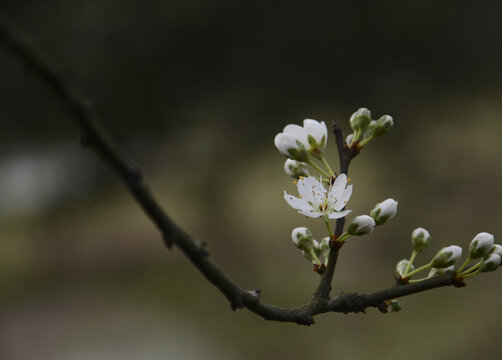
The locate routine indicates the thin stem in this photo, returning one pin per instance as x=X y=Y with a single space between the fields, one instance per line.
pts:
x=467 y=261
x=344 y=236
x=412 y=258
x=365 y=141
x=328 y=226
x=317 y=167
x=469 y=270
x=471 y=274
x=323 y=159
x=357 y=135
x=422 y=268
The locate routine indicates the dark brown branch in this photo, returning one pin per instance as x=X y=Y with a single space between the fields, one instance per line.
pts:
x=95 y=138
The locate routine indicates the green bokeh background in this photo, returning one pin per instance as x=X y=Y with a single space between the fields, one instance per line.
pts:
x=195 y=92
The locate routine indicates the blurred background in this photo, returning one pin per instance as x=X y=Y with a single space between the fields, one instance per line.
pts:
x=195 y=92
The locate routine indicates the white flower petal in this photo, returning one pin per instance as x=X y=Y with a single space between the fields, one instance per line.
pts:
x=283 y=142
x=298 y=133
x=342 y=201
x=317 y=129
x=339 y=214
x=310 y=213
x=295 y=203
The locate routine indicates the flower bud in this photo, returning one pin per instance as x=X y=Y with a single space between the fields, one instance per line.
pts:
x=383 y=125
x=384 y=211
x=496 y=249
x=360 y=225
x=395 y=306
x=317 y=133
x=442 y=271
x=402 y=266
x=481 y=245
x=290 y=147
x=324 y=249
x=447 y=256
x=370 y=129
x=348 y=139
x=295 y=169
x=420 y=238
x=303 y=239
x=492 y=262
x=360 y=119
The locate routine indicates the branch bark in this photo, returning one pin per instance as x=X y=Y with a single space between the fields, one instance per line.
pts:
x=94 y=137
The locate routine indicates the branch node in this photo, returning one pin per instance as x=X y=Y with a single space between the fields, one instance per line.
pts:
x=352 y=303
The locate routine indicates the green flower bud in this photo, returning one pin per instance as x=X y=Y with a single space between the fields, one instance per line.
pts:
x=491 y=263
x=361 y=225
x=402 y=266
x=420 y=238
x=384 y=211
x=383 y=126
x=324 y=249
x=447 y=256
x=481 y=245
x=395 y=306
x=303 y=239
x=496 y=249
x=360 y=119
x=295 y=169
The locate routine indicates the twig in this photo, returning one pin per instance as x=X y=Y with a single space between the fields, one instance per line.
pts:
x=95 y=138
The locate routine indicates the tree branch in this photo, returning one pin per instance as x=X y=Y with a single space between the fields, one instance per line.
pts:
x=95 y=138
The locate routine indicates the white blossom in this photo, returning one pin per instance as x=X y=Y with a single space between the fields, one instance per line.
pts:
x=295 y=140
x=315 y=201
x=402 y=266
x=496 y=249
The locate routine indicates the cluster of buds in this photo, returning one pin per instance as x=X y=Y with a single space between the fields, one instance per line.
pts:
x=364 y=129
x=482 y=248
x=314 y=251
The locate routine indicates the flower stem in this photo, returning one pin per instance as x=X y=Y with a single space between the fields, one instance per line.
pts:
x=422 y=268
x=323 y=159
x=472 y=273
x=418 y=280
x=467 y=261
x=315 y=166
x=357 y=135
x=412 y=258
x=328 y=226
x=365 y=141
x=470 y=270
x=344 y=236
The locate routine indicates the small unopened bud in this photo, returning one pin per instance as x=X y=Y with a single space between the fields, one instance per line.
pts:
x=420 y=238
x=402 y=266
x=303 y=239
x=360 y=119
x=481 y=245
x=447 y=256
x=370 y=129
x=324 y=249
x=395 y=306
x=384 y=211
x=496 y=249
x=360 y=225
x=492 y=262
x=291 y=147
x=383 y=125
x=295 y=169
x=442 y=271
x=348 y=139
